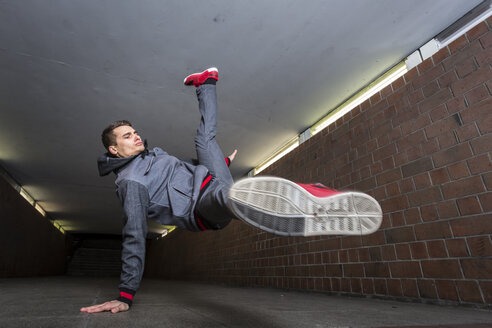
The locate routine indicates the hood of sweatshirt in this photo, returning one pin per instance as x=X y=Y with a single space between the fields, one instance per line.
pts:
x=107 y=164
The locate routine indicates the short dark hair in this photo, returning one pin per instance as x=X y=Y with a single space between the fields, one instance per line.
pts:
x=108 y=137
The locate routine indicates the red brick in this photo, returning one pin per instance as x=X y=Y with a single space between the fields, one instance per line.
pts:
x=471 y=81
x=409 y=288
x=364 y=255
x=439 y=176
x=436 y=249
x=399 y=235
x=392 y=189
x=487 y=178
x=447 y=209
x=477 y=268
x=486 y=201
x=482 y=144
x=384 y=152
x=416 y=97
x=388 y=252
x=414 y=153
x=486 y=40
x=386 y=91
x=410 y=75
x=469 y=205
x=367 y=286
x=442 y=126
x=463 y=187
x=419 y=166
x=467 y=132
x=433 y=230
x=446 y=290
x=377 y=269
x=439 y=113
x=376 y=238
x=412 y=216
x=486 y=287
x=447 y=79
x=427 y=76
x=353 y=270
x=430 y=88
x=456 y=104
x=457 y=248
x=452 y=155
x=440 y=55
x=394 y=287
x=380 y=287
x=484 y=58
x=405 y=269
x=457 y=59
x=478 y=94
x=447 y=139
x=397 y=84
x=419 y=250
x=457 y=44
x=406 y=185
x=477 y=31
x=458 y=170
x=389 y=176
x=422 y=181
x=403 y=252
x=429 y=213
x=425 y=196
x=477 y=112
x=485 y=125
x=466 y=67
x=480 y=246
x=431 y=146
x=472 y=225
x=397 y=219
x=441 y=269
x=440 y=97
x=394 y=204
x=469 y=291
x=425 y=66
x=427 y=288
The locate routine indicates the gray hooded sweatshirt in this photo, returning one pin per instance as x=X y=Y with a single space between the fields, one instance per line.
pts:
x=152 y=185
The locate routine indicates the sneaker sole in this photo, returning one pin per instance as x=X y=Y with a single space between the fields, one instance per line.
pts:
x=282 y=207
x=211 y=69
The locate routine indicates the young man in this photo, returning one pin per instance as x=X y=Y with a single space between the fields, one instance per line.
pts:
x=152 y=184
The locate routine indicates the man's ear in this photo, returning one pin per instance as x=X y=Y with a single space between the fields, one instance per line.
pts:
x=112 y=150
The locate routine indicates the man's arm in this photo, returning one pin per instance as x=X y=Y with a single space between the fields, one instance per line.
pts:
x=135 y=200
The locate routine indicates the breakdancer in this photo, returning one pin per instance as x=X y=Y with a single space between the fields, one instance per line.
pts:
x=153 y=184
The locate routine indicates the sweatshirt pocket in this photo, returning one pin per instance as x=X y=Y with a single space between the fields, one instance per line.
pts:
x=180 y=191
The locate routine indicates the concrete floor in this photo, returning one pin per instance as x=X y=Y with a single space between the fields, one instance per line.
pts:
x=55 y=302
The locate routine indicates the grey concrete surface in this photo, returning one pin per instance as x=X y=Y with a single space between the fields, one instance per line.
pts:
x=55 y=302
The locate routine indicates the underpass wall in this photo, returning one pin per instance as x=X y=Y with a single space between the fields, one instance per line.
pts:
x=422 y=147
x=29 y=244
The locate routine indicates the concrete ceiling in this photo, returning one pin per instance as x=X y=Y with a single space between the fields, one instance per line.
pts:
x=70 y=67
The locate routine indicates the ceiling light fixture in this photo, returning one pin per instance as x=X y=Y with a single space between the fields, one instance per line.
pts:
x=281 y=152
x=380 y=83
x=377 y=85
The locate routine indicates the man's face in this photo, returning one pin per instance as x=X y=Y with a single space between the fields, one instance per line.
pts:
x=128 y=142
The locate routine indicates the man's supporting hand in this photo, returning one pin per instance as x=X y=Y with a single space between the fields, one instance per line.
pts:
x=113 y=306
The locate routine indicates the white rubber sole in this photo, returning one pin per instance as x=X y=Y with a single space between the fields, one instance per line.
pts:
x=211 y=69
x=284 y=208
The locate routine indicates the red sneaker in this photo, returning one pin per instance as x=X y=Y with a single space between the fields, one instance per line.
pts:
x=285 y=208
x=197 y=79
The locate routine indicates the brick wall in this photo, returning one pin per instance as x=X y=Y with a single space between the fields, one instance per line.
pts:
x=422 y=147
x=29 y=244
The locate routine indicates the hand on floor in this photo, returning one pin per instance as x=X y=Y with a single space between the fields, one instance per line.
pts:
x=113 y=306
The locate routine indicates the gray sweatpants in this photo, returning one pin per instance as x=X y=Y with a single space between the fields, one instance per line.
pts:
x=213 y=204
